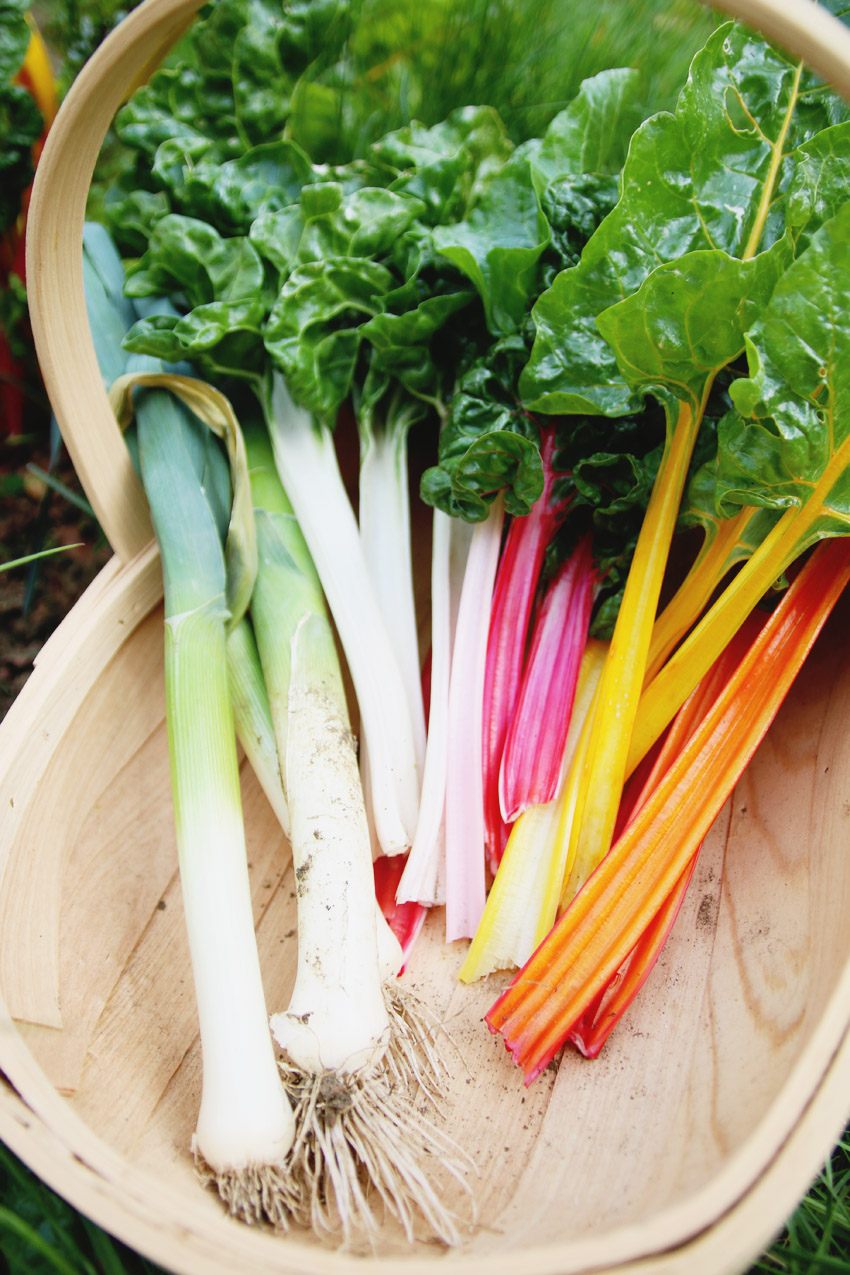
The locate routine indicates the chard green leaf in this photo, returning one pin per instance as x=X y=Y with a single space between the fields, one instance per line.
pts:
x=789 y=443
x=231 y=194
x=14 y=36
x=820 y=183
x=132 y=215
x=485 y=407
x=189 y=257
x=175 y=159
x=314 y=120
x=499 y=246
x=699 y=509
x=277 y=236
x=591 y=135
x=688 y=318
x=325 y=224
x=574 y=206
x=174 y=105
x=261 y=85
x=499 y=460
x=215 y=348
x=702 y=178
x=445 y=165
x=613 y=483
x=401 y=342
x=312 y=333
x=313 y=30
x=20 y=129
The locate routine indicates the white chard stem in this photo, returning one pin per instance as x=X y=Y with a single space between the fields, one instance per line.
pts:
x=384 y=515
x=423 y=879
x=306 y=461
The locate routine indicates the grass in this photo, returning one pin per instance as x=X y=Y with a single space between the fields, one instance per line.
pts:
x=42 y=1235
x=816 y=1240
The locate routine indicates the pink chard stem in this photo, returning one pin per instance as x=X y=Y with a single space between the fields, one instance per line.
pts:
x=513 y=600
x=534 y=748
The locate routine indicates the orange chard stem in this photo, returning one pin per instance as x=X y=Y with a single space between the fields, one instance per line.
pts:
x=584 y=950
x=601 y=1017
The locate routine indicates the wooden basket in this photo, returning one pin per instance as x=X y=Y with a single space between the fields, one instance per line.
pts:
x=682 y=1149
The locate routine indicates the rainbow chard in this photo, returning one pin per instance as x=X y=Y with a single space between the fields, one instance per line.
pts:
x=651 y=312
x=570 y=971
x=785 y=448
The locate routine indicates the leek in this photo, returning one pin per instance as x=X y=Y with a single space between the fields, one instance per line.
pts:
x=245 y=1124
x=351 y=1043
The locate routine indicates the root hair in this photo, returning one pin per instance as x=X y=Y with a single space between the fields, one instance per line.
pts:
x=254 y=1194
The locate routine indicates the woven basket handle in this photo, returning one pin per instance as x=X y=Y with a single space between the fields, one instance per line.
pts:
x=125 y=60
x=54 y=258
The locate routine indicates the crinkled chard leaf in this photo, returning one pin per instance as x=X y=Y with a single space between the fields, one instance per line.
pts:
x=500 y=243
x=446 y=165
x=325 y=223
x=693 y=180
x=230 y=195
x=402 y=342
x=188 y=257
x=313 y=331
x=499 y=246
x=496 y=461
x=688 y=318
x=788 y=444
x=487 y=425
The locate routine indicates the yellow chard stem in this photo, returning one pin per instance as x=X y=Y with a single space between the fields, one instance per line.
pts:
x=670 y=687
x=692 y=596
x=665 y=694
x=622 y=678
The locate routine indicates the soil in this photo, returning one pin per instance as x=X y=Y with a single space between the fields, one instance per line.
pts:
x=33 y=516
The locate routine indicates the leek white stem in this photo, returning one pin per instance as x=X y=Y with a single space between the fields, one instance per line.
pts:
x=337 y=1020
x=350 y=1053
